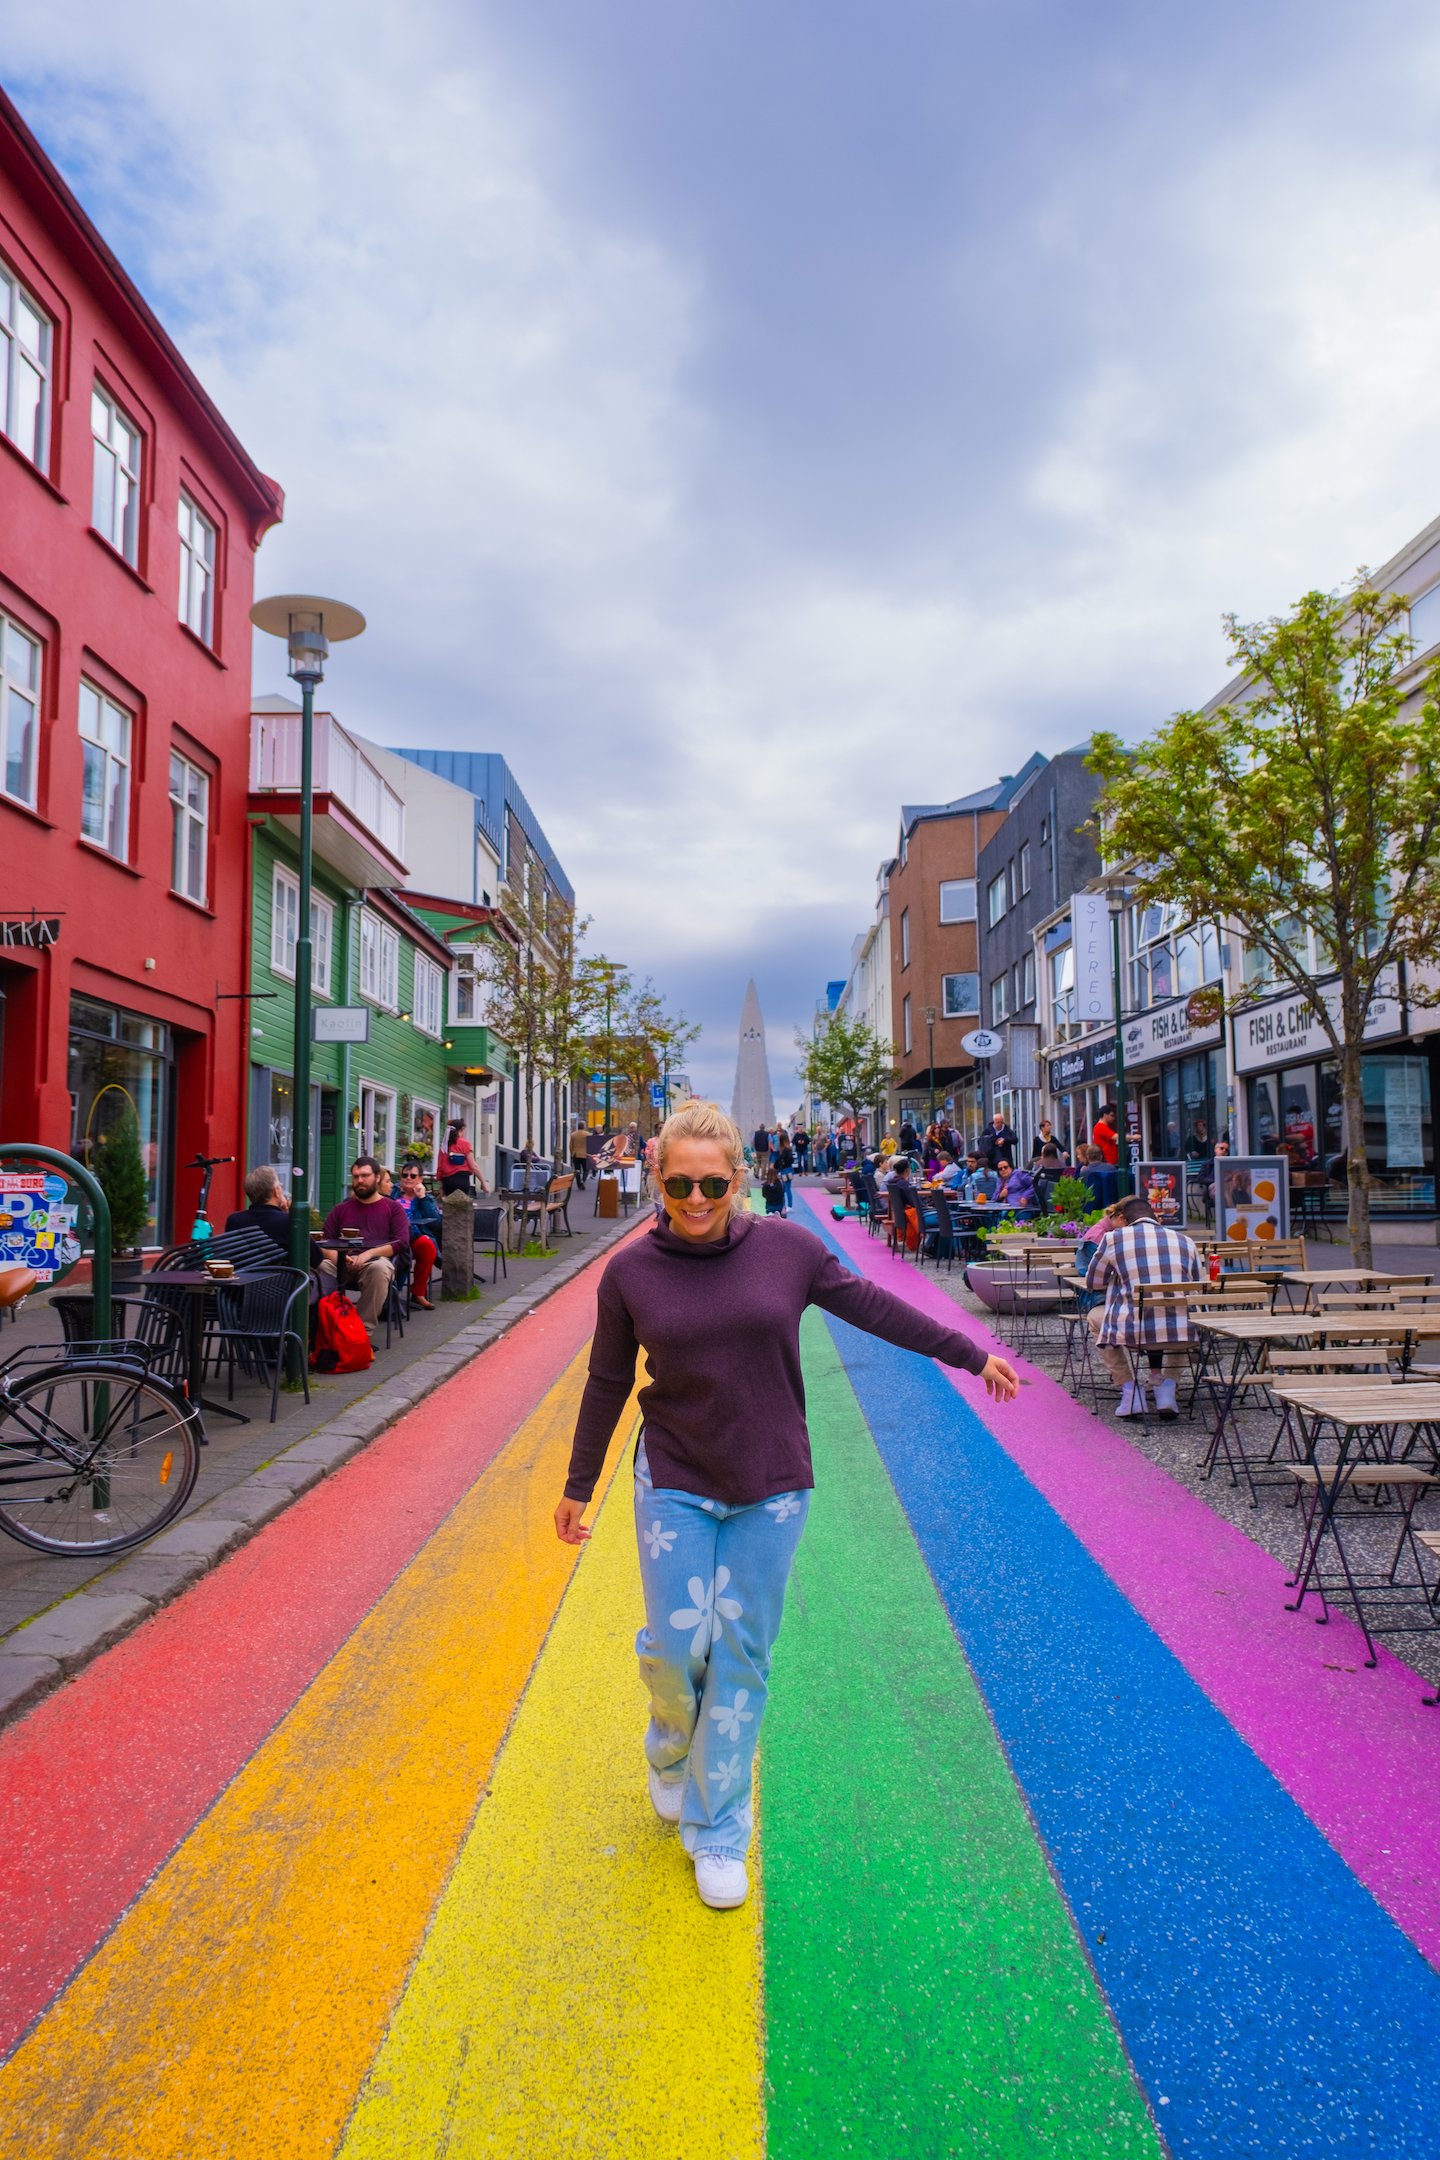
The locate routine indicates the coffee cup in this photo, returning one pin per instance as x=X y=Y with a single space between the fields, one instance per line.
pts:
x=222 y=1270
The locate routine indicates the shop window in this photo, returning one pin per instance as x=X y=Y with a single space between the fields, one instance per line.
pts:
x=105 y=732
x=197 y=570
x=377 y=1123
x=189 y=828
x=19 y=711
x=115 y=501
x=27 y=339
x=121 y=1063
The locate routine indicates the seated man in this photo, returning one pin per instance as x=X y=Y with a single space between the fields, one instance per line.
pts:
x=382 y=1229
x=268 y=1206
x=1141 y=1251
x=1095 y=1173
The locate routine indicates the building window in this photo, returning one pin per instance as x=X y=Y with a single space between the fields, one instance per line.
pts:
x=1027 y=979
x=26 y=340
x=19 y=711
x=1425 y=619
x=377 y=1123
x=1062 y=991
x=285 y=931
x=189 y=828
x=197 y=570
x=1025 y=868
x=379 y=961
x=957 y=900
x=995 y=900
x=465 y=989
x=904 y=937
x=960 y=996
x=997 y=1001
x=105 y=729
x=905 y=1016
x=115 y=508
x=429 y=1012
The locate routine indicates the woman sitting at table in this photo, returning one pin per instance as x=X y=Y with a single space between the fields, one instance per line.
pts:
x=1016 y=1188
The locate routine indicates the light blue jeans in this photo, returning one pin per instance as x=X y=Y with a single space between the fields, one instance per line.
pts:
x=714 y=1580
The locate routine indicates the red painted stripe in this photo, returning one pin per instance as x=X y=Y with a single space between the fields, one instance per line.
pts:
x=103 y=1779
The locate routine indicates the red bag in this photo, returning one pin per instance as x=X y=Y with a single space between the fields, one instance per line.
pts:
x=341 y=1343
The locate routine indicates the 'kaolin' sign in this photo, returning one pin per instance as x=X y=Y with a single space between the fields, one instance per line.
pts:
x=34 y=930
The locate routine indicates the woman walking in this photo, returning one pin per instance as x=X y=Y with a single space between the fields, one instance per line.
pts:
x=714 y=1297
x=459 y=1171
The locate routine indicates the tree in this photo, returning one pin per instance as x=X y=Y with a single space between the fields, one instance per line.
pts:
x=120 y=1173
x=534 y=990
x=606 y=986
x=1306 y=813
x=846 y=1064
x=649 y=1041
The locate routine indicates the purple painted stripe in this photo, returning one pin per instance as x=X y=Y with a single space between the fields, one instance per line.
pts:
x=1356 y=1749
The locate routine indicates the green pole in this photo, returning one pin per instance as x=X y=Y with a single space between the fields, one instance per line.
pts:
x=300 y=1152
x=608 y=987
x=1122 y=1152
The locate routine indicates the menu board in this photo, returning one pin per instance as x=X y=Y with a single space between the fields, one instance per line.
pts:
x=1163 y=1185
x=1252 y=1197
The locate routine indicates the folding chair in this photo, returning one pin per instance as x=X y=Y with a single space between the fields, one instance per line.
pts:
x=488 y=1237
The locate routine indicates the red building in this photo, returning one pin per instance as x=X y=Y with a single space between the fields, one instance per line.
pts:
x=129 y=519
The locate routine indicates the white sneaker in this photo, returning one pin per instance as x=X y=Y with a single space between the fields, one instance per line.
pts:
x=665 y=1798
x=722 y=1883
x=1165 y=1404
x=1132 y=1401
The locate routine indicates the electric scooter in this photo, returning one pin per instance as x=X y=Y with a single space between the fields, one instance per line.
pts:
x=201 y=1228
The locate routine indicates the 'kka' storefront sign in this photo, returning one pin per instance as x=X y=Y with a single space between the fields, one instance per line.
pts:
x=38 y=932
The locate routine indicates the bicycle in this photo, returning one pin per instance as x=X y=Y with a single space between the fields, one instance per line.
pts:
x=97 y=1453
x=201 y=1229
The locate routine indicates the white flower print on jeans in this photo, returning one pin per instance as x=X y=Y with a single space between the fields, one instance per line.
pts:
x=726 y=1774
x=707 y=1606
x=730 y=1717
x=782 y=1509
x=659 y=1540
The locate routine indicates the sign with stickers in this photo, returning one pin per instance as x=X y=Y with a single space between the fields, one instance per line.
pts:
x=37 y=1223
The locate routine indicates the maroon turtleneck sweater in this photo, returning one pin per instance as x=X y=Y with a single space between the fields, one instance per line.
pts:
x=719 y=1324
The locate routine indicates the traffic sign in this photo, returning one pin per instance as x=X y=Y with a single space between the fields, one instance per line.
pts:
x=982 y=1043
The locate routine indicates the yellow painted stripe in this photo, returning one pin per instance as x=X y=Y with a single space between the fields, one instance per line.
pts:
x=574 y=1997
x=237 y=2006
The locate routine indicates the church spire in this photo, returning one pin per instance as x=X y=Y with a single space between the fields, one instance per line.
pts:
x=754 y=1104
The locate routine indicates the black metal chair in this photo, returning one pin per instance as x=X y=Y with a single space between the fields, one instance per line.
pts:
x=530 y=1195
x=487 y=1237
x=142 y=1322
x=248 y=1249
x=258 y=1318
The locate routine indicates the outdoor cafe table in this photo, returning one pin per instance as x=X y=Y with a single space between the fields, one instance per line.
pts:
x=196 y=1284
x=1249 y=1336
x=1373 y=1417
x=1350 y=1278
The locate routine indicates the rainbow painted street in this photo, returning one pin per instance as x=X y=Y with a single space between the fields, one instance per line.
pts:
x=1072 y=1839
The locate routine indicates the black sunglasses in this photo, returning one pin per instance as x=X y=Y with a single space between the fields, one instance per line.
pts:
x=713 y=1188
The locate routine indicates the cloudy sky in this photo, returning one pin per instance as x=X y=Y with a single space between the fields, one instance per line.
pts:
x=747 y=416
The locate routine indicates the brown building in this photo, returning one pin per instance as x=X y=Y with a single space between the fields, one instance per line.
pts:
x=935 y=951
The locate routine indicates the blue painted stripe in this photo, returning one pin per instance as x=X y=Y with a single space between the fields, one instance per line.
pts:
x=1270 y=2006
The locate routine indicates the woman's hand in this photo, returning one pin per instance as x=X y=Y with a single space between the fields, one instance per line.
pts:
x=568 y=1526
x=1001 y=1379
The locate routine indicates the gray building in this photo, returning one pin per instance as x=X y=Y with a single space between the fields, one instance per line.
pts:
x=1043 y=852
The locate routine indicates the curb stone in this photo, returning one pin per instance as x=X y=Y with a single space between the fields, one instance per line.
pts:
x=37 y=1657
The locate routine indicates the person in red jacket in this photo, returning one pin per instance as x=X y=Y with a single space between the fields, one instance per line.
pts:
x=1105 y=1137
x=714 y=1296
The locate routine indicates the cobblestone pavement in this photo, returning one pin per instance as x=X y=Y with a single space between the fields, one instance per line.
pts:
x=1072 y=1841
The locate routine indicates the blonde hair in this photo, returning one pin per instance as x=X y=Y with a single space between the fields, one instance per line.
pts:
x=706 y=1121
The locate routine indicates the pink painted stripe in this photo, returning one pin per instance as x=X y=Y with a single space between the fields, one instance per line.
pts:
x=1356 y=1749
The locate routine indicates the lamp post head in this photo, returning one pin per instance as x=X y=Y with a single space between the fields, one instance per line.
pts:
x=309 y=626
x=930 y=1016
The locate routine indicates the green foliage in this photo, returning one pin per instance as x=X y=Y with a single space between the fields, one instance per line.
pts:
x=120 y=1171
x=846 y=1065
x=1072 y=1198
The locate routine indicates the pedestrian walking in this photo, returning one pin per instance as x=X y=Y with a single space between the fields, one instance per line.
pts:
x=459 y=1171
x=580 y=1154
x=760 y=1142
x=800 y=1141
x=785 y=1164
x=713 y=1296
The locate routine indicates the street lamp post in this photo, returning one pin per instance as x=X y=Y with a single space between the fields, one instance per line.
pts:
x=308 y=625
x=930 y=1032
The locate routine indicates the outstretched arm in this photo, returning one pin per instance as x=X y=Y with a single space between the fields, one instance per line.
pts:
x=879 y=1312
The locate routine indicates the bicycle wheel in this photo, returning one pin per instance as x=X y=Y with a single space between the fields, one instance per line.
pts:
x=94 y=1458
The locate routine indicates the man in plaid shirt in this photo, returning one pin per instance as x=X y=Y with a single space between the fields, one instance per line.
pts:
x=1141 y=1251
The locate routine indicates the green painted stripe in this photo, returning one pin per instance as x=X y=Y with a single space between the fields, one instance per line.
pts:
x=925 y=1991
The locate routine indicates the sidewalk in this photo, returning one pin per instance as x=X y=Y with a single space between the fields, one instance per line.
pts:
x=55 y=1615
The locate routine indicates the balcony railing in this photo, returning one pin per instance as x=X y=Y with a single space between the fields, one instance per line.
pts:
x=341 y=769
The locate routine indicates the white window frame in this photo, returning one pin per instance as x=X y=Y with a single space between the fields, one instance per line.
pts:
x=284 y=921
x=1024 y=866
x=372 y=1092
x=379 y=962
x=118 y=453
x=418 y=1103
x=322 y=944
x=19 y=357
x=199 y=545
x=465 y=974
x=115 y=793
x=1027 y=977
x=1427 y=607
x=995 y=900
x=428 y=1009
x=998 y=989
x=185 y=822
x=20 y=707
x=955 y=1007
x=905 y=1015
x=963 y=909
